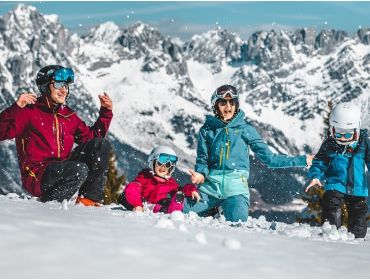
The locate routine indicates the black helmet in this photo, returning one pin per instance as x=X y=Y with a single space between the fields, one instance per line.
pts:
x=53 y=72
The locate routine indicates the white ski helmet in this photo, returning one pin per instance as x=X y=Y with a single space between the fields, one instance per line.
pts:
x=163 y=154
x=345 y=117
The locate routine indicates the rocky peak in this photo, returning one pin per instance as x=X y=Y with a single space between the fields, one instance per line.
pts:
x=328 y=39
x=107 y=32
x=269 y=50
x=214 y=47
x=364 y=35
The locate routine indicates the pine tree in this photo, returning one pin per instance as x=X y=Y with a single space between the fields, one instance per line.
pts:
x=114 y=182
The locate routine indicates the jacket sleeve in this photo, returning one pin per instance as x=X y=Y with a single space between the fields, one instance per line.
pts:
x=13 y=121
x=262 y=151
x=201 y=165
x=367 y=152
x=99 y=129
x=188 y=189
x=320 y=164
x=133 y=191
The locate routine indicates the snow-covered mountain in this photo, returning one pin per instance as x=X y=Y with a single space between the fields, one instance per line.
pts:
x=161 y=87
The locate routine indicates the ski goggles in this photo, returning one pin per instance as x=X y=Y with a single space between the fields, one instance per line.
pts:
x=64 y=75
x=223 y=91
x=166 y=159
x=59 y=85
x=344 y=135
x=223 y=102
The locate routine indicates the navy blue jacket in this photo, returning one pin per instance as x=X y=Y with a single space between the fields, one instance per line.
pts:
x=342 y=168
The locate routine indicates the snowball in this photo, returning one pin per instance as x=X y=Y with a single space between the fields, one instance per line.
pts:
x=183 y=228
x=177 y=216
x=201 y=238
x=165 y=223
x=233 y=244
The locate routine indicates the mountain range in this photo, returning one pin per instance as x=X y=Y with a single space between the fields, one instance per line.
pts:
x=161 y=87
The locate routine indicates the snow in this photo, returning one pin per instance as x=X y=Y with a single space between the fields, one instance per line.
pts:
x=64 y=240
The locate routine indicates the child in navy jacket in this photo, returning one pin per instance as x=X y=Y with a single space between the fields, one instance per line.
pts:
x=340 y=163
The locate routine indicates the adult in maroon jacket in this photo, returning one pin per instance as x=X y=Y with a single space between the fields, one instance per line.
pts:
x=45 y=130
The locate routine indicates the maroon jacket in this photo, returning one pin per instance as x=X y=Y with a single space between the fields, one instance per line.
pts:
x=44 y=135
x=150 y=188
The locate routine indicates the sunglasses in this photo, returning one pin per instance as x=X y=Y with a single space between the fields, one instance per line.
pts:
x=223 y=102
x=59 y=85
x=64 y=75
x=345 y=135
x=223 y=91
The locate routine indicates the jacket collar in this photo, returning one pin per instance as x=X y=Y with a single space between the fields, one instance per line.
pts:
x=46 y=104
x=215 y=122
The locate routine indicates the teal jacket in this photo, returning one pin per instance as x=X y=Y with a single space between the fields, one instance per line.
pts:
x=223 y=156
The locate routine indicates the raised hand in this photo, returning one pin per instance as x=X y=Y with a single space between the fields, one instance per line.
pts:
x=25 y=99
x=196 y=178
x=314 y=182
x=105 y=101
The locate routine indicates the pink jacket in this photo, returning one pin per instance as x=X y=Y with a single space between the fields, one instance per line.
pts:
x=44 y=134
x=148 y=187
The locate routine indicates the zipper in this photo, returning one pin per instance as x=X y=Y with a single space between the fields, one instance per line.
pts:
x=227 y=143
x=23 y=148
x=221 y=155
x=57 y=132
x=227 y=149
x=30 y=172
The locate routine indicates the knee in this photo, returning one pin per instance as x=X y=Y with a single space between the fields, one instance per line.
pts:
x=236 y=209
x=102 y=144
x=82 y=171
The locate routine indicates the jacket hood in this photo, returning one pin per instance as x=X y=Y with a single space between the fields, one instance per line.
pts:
x=214 y=122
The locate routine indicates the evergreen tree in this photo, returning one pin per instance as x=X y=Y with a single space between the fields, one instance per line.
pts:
x=114 y=182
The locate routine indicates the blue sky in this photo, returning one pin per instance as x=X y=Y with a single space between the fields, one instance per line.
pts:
x=184 y=19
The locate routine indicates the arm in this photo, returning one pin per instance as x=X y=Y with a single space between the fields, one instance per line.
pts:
x=201 y=165
x=12 y=122
x=191 y=190
x=320 y=163
x=262 y=151
x=133 y=191
x=367 y=153
x=99 y=129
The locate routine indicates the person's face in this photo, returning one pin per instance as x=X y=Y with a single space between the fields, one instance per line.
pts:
x=226 y=106
x=59 y=92
x=161 y=170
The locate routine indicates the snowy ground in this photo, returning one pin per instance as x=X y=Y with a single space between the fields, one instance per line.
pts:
x=54 y=240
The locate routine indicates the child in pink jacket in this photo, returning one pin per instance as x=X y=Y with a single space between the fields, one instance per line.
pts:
x=156 y=186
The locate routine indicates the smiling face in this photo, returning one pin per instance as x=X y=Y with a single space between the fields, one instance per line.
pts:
x=58 y=95
x=161 y=170
x=226 y=107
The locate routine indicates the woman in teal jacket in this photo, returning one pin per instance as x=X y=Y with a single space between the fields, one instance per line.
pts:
x=222 y=164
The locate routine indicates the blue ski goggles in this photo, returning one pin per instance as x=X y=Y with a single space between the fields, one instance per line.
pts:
x=167 y=159
x=225 y=90
x=345 y=135
x=64 y=75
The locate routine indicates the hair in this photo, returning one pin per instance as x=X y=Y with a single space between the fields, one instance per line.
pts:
x=218 y=112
